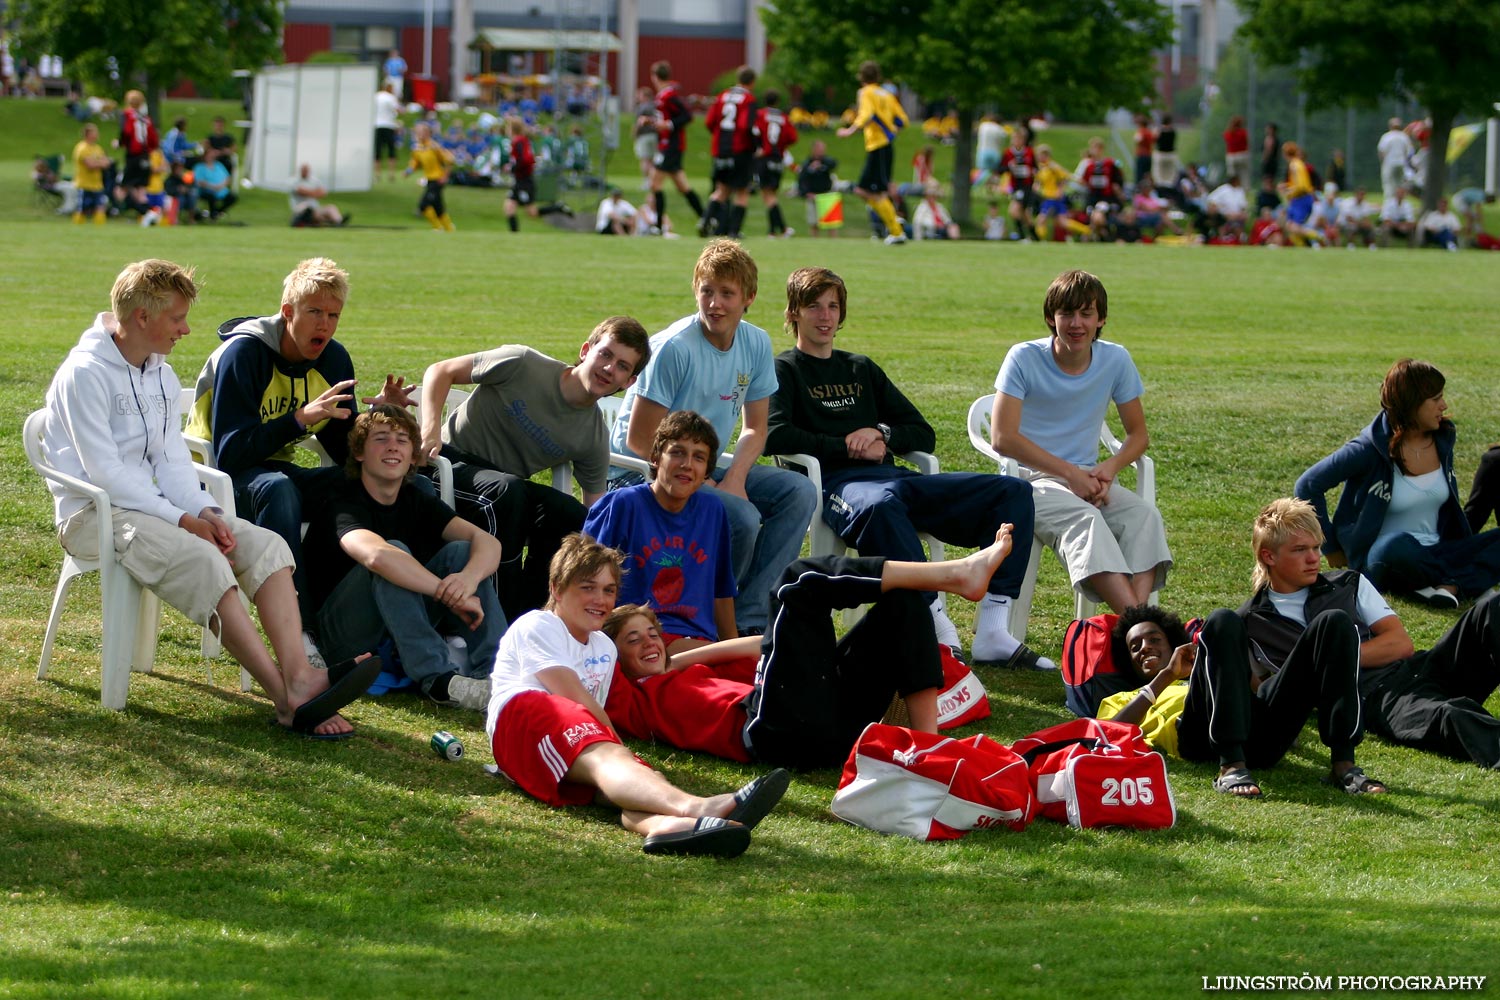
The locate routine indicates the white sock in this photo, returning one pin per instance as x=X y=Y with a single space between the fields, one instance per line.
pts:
x=947 y=632
x=992 y=638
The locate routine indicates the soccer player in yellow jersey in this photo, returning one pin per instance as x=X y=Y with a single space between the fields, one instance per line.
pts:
x=881 y=116
x=89 y=163
x=433 y=160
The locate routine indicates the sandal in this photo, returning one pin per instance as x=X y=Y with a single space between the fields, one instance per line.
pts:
x=1356 y=782
x=1231 y=783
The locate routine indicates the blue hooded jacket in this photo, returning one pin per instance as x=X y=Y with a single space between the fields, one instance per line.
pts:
x=1365 y=470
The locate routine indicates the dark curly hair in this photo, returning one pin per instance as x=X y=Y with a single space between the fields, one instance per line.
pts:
x=1135 y=615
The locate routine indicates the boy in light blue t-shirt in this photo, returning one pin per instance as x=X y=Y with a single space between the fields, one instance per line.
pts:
x=1051 y=396
x=717 y=365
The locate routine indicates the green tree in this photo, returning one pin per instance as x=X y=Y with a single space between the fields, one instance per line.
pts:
x=115 y=45
x=1444 y=55
x=1082 y=55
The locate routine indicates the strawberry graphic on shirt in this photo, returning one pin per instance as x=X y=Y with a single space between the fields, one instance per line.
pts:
x=667 y=585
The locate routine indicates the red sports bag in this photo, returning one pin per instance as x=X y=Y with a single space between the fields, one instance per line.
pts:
x=932 y=787
x=963 y=699
x=1097 y=772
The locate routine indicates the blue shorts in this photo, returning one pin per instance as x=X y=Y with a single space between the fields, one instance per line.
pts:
x=1054 y=206
x=91 y=201
x=1299 y=209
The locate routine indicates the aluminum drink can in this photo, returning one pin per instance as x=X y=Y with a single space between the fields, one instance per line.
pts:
x=446 y=745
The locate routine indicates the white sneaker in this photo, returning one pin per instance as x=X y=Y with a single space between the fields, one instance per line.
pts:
x=472 y=693
x=310 y=647
x=947 y=632
x=895 y=239
x=150 y=219
x=788 y=233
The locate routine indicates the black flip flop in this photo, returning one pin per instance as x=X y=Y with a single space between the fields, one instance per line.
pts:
x=709 y=837
x=309 y=734
x=346 y=682
x=759 y=797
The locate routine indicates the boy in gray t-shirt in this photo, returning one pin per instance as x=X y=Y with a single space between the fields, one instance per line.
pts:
x=527 y=413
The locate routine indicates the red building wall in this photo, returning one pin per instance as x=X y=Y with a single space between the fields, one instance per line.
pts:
x=298 y=41
x=442 y=55
x=695 y=61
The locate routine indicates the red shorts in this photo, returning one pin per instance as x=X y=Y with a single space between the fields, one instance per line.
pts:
x=538 y=736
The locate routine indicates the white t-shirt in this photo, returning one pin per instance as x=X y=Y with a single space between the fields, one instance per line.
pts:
x=1369 y=606
x=1352 y=212
x=1394 y=147
x=1062 y=413
x=302 y=202
x=990 y=138
x=538 y=640
x=387 y=107
x=1441 y=222
x=1228 y=199
x=1396 y=210
x=617 y=209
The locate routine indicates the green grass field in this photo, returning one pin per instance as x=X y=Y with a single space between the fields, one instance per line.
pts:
x=181 y=848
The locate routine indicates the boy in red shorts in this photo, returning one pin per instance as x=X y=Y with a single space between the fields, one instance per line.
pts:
x=550 y=734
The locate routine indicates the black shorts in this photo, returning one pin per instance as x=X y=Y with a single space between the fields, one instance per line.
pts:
x=876 y=177
x=768 y=172
x=734 y=171
x=1029 y=199
x=523 y=190
x=137 y=171
x=385 y=143
x=668 y=161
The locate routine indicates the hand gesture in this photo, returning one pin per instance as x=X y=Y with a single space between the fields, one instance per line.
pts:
x=453 y=589
x=866 y=443
x=1181 y=663
x=395 y=392
x=469 y=611
x=327 y=406
x=210 y=527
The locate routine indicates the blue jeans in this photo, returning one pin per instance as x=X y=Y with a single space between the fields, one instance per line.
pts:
x=765 y=533
x=1403 y=564
x=881 y=510
x=280 y=496
x=365 y=608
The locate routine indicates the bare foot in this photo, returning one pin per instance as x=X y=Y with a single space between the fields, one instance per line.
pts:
x=975 y=571
x=306 y=686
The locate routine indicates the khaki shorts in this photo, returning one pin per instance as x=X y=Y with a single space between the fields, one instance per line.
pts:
x=182 y=569
x=1125 y=535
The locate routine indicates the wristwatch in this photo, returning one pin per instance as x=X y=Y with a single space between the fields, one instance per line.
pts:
x=885 y=431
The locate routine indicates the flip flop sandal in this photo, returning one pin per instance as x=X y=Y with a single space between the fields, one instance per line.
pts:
x=1356 y=782
x=709 y=837
x=346 y=681
x=308 y=734
x=759 y=797
x=1230 y=783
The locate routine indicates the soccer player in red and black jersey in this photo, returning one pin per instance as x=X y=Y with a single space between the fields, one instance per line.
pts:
x=775 y=135
x=523 y=178
x=1106 y=183
x=671 y=122
x=731 y=122
x=1020 y=162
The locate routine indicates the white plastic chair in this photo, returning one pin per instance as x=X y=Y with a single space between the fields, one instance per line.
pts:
x=824 y=541
x=131 y=614
x=1145 y=488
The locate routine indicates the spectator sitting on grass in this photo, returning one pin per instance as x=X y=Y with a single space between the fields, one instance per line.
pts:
x=1397 y=218
x=212 y=181
x=387 y=559
x=1440 y=227
x=550 y=734
x=307 y=206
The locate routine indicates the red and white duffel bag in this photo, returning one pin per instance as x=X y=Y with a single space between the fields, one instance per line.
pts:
x=963 y=699
x=1097 y=772
x=932 y=787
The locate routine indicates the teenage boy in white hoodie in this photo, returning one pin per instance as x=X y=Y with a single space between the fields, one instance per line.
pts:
x=113 y=420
